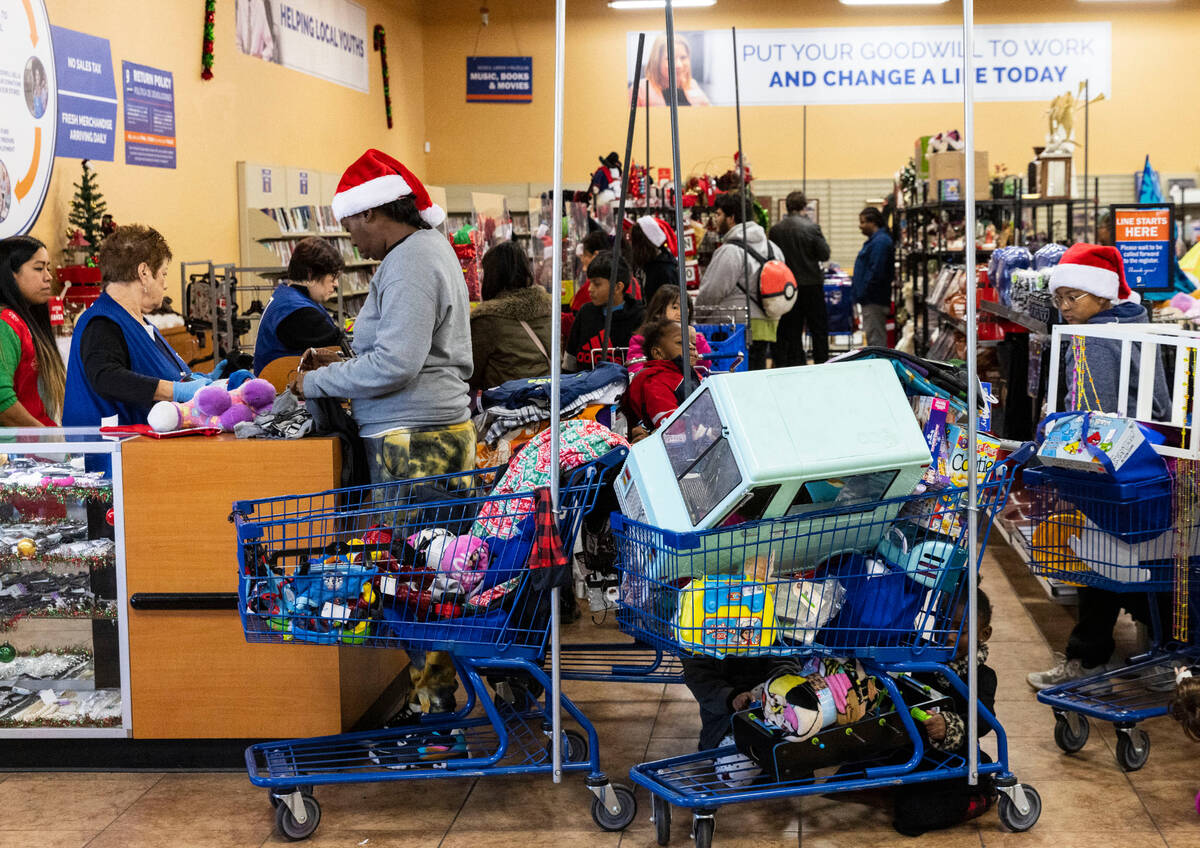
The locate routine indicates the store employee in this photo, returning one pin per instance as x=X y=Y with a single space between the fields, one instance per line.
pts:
x=120 y=365
x=295 y=319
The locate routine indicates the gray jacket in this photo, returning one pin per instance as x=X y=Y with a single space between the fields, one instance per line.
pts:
x=412 y=343
x=804 y=247
x=719 y=285
x=1103 y=360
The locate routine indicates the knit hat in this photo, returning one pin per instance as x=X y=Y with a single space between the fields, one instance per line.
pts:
x=659 y=232
x=375 y=179
x=1096 y=269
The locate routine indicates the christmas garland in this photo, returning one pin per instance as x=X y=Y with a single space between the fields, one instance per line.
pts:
x=381 y=46
x=206 y=57
x=8 y=561
x=59 y=494
x=83 y=721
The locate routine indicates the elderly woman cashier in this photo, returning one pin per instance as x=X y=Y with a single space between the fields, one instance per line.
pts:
x=120 y=365
x=407 y=382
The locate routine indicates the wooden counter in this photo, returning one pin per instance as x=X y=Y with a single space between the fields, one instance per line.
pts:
x=192 y=674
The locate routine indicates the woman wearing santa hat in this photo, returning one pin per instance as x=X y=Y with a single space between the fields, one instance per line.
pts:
x=1089 y=287
x=653 y=249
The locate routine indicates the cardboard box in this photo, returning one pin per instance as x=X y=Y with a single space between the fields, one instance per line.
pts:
x=953 y=166
x=1063 y=448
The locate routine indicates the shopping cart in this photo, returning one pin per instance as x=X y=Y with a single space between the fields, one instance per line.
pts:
x=728 y=343
x=880 y=581
x=1120 y=537
x=368 y=567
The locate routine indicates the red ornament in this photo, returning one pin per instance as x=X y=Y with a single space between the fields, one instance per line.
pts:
x=110 y=517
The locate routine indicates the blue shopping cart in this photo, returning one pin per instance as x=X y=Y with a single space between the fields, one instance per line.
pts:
x=880 y=581
x=1119 y=537
x=728 y=342
x=434 y=564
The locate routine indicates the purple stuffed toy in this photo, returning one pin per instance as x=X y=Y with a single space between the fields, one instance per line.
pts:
x=465 y=560
x=251 y=398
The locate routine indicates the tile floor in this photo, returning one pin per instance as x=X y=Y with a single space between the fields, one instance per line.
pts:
x=1087 y=800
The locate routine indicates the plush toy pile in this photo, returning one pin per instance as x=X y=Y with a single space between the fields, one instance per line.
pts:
x=214 y=406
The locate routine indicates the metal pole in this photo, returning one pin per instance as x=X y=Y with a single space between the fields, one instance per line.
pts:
x=737 y=102
x=804 y=156
x=625 y=179
x=688 y=381
x=972 y=399
x=649 y=182
x=560 y=28
x=1087 y=108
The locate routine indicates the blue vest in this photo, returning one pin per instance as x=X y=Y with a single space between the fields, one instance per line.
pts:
x=82 y=406
x=284 y=301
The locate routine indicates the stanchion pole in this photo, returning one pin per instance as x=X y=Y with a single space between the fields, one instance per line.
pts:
x=689 y=382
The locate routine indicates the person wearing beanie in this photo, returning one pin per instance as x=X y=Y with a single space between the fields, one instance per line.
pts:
x=653 y=250
x=1089 y=287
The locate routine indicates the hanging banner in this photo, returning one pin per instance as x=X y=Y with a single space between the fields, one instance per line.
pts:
x=863 y=65
x=499 y=79
x=1142 y=234
x=325 y=38
x=149 y=116
x=87 y=96
x=28 y=108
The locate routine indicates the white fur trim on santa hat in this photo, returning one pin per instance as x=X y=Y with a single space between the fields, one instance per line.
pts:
x=1088 y=278
x=652 y=230
x=377 y=192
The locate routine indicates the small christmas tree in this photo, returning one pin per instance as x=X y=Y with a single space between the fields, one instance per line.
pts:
x=87 y=208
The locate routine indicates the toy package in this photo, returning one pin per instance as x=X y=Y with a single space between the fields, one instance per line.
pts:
x=726 y=615
x=1120 y=439
x=986 y=451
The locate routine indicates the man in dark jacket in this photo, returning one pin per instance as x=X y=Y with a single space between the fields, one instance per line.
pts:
x=804 y=249
x=874 y=271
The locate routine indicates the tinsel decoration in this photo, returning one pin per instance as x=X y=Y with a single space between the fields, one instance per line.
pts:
x=381 y=46
x=90 y=563
x=206 y=57
x=1185 y=506
x=58 y=494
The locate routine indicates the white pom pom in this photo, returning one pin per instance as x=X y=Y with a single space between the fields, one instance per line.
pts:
x=163 y=417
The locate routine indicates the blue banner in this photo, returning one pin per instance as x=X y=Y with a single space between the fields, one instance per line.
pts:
x=87 y=96
x=499 y=79
x=149 y=116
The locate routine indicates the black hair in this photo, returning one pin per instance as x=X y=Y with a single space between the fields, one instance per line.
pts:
x=505 y=268
x=15 y=252
x=641 y=250
x=596 y=241
x=312 y=259
x=661 y=302
x=796 y=202
x=730 y=203
x=404 y=211
x=872 y=216
x=654 y=332
x=602 y=267
x=983 y=606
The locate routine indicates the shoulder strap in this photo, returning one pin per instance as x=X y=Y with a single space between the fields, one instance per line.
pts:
x=758 y=257
x=536 y=341
x=762 y=260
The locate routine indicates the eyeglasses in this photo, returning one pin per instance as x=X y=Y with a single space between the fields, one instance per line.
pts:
x=1061 y=300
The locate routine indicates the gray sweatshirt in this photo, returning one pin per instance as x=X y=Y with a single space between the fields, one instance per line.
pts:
x=1104 y=367
x=719 y=284
x=412 y=343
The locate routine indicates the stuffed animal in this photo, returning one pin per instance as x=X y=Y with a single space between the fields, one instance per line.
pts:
x=826 y=692
x=214 y=405
x=464 y=559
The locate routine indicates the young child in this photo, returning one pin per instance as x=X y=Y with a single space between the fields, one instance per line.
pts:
x=922 y=807
x=664 y=304
x=658 y=388
x=585 y=345
x=1185 y=706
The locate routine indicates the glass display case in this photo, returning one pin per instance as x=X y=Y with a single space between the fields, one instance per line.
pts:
x=64 y=660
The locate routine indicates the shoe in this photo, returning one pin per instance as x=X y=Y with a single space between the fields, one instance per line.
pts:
x=1065 y=671
x=979 y=803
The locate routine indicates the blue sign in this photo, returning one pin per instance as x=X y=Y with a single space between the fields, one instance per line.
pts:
x=149 y=116
x=87 y=96
x=499 y=79
x=1143 y=235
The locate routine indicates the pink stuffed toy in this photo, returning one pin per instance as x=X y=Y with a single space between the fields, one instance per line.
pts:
x=214 y=406
x=465 y=560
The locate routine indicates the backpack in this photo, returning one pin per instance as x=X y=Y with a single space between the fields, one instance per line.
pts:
x=774 y=283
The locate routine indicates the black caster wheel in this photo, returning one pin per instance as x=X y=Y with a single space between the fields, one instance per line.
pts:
x=703 y=832
x=293 y=830
x=1012 y=818
x=574 y=747
x=1071 y=741
x=662 y=819
x=620 y=820
x=1133 y=748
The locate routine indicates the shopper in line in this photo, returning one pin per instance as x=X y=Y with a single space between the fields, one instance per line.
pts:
x=586 y=344
x=653 y=248
x=729 y=284
x=510 y=329
x=120 y=365
x=593 y=243
x=1089 y=287
x=874 y=271
x=658 y=388
x=32 y=374
x=664 y=305
x=804 y=249
x=295 y=318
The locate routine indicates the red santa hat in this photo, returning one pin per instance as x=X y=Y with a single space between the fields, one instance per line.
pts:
x=659 y=232
x=376 y=179
x=1096 y=269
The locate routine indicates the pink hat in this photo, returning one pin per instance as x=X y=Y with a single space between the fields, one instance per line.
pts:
x=659 y=232
x=1096 y=269
x=375 y=179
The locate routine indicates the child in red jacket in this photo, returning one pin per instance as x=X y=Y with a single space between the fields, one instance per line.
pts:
x=657 y=390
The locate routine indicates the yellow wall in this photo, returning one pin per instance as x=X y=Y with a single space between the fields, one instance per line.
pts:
x=251 y=110
x=1151 y=111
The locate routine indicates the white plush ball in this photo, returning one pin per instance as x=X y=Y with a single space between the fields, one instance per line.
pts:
x=163 y=417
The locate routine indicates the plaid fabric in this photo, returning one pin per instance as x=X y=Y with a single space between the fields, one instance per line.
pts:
x=548 y=563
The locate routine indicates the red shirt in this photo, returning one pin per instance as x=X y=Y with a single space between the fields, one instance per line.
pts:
x=25 y=377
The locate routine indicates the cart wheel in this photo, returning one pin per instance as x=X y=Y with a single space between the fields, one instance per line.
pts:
x=703 y=832
x=622 y=819
x=574 y=747
x=293 y=830
x=1066 y=739
x=1133 y=748
x=662 y=819
x=1012 y=819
